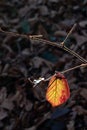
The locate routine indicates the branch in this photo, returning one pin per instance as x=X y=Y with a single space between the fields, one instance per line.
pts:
x=73 y=68
x=20 y=35
x=36 y=82
x=38 y=38
x=68 y=34
x=61 y=45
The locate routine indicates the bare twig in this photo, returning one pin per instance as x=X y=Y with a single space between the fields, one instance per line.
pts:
x=73 y=68
x=61 y=46
x=65 y=71
x=38 y=38
x=68 y=34
x=19 y=35
x=13 y=33
x=75 y=54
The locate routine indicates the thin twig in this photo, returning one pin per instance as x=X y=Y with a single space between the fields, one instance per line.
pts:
x=73 y=68
x=13 y=33
x=65 y=71
x=68 y=34
x=69 y=50
x=19 y=35
x=75 y=54
x=38 y=38
x=60 y=46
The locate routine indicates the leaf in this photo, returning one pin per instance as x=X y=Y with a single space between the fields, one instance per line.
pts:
x=7 y=104
x=58 y=90
x=43 y=10
x=83 y=23
x=71 y=126
x=80 y=39
x=83 y=93
x=3 y=114
x=55 y=1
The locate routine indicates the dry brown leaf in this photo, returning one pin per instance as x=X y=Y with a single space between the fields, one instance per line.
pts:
x=23 y=70
x=83 y=93
x=85 y=2
x=60 y=33
x=83 y=23
x=70 y=126
x=28 y=105
x=7 y=104
x=3 y=94
x=67 y=23
x=26 y=52
x=38 y=62
x=42 y=31
x=45 y=117
x=43 y=10
x=80 y=39
x=39 y=93
x=5 y=69
x=80 y=110
x=56 y=1
x=71 y=103
x=23 y=11
x=8 y=48
x=31 y=128
x=17 y=97
x=3 y=114
x=14 y=21
x=53 y=14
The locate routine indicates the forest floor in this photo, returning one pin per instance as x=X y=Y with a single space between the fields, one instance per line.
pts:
x=23 y=106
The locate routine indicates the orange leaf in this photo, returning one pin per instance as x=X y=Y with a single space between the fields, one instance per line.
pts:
x=58 y=90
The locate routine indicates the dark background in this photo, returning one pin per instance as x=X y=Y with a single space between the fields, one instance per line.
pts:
x=22 y=106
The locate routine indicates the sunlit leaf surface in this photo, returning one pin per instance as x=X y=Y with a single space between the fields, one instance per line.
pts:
x=58 y=90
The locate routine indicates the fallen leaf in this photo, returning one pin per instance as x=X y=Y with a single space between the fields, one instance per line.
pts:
x=3 y=94
x=54 y=1
x=28 y=105
x=71 y=126
x=3 y=114
x=31 y=128
x=80 y=39
x=37 y=62
x=7 y=104
x=60 y=33
x=23 y=11
x=83 y=23
x=43 y=10
x=83 y=93
x=80 y=110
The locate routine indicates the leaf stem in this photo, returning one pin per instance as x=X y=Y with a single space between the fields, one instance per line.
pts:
x=73 y=68
x=65 y=71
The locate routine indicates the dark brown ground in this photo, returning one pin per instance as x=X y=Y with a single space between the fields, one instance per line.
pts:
x=22 y=106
